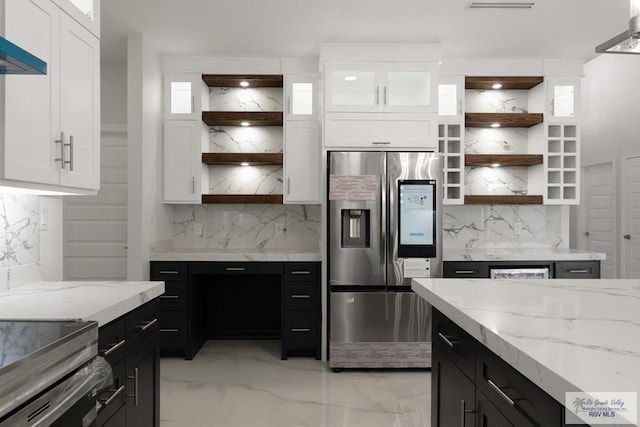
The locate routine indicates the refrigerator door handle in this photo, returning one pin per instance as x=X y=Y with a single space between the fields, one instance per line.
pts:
x=383 y=218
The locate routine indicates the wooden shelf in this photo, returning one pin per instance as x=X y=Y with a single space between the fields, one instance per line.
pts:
x=503 y=159
x=506 y=120
x=252 y=159
x=513 y=83
x=233 y=80
x=502 y=200
x=242 y=198
x=235 y=118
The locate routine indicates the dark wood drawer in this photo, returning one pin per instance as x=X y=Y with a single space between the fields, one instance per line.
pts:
x=143 y=322
x=301 y=271
x=520 y=400
x=465 y=269
x=173 y=330
x=235 y=268
x=456 y=344
x=117 y=420
x=112 y=340
x=301 y=296
x=577 y=269
x=169 y=271
x=301 y=330
x=174 y=297
x=113 y=398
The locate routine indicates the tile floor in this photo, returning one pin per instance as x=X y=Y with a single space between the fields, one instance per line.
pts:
x=244 y=383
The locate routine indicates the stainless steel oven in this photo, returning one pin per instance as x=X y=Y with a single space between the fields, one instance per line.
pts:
x=49 y=373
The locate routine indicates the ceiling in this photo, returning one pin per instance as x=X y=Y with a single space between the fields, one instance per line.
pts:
x=553 y=29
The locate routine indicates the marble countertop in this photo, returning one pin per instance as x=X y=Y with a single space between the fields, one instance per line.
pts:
x=521 y=254
x=99 y=301
x=276 y=255
x=564 y=335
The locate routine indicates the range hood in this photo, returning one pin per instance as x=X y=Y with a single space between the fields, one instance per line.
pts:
x=15 y=60
x=628 y=41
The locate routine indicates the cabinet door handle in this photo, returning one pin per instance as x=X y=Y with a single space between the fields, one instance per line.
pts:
x=289 y=104
x=553 y=106
x=135 y=386
x=459 y=106
x=115 y=394
x=301 y=296
x=305 y=272
x=582 y=271
x=111 y=349
x=170 y=330
x=500 y=392
x=446 y=340
x=463 y=413
x=465 y=271
x=385 y=95
x=70 y=161
x=381 y=142
x=168 y=272
x=627 y=237
x=193 y=104
x=169 y=297
x=300 y=330
x=235 y=269
x=61 y=158
x=147 y=325
x=377 y=95
x=193 y=185
x=288 y=185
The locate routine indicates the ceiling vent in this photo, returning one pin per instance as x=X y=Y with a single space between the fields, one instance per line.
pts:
x=481 y=4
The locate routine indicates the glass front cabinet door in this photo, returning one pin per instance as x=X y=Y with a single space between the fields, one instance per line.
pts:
x=184 y=95
x=563 y=99
x=301 y=96
x=451 y=98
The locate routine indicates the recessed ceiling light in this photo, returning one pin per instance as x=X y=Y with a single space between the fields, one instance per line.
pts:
x=495 y=125
x=244 y=164
x=496 y=86
x=244 y=84
x=350 y=78
x=245 y=124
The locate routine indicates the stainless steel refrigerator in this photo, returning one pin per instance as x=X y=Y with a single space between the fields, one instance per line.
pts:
x=384 y=228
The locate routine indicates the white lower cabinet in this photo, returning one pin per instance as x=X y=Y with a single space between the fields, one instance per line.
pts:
x=302 y=162
x=50 y=139
x=381 y=131
x=183 y=167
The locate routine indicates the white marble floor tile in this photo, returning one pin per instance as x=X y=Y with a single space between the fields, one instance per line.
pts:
x=244 y=383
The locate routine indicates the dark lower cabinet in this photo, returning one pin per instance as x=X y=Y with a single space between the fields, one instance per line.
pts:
x=557 y=269
x=493 y=394
x=131 y=346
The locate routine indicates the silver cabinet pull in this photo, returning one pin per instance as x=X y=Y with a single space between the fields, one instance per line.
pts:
x=301 y=296
x=553 y=106
x=385 y=95
x=306 y=272
x=113 y=396
x=446 y=340
x=170 y=330
x=459 y=106
x=135 y=386
x=463 y=413
x=193 y=103
x=289 y=105
x=61 y=158
x=193 y=185
x=627 y=236
x=465 y=271
x=111 y=349
x=169 y=297
x=168 y=272
x=381 y=142
x=500 y=392
x=148 y=324
x=583 y=271
x=377 y=95
x=300 y=330
x=235 y=269
x=288 y=185
x=70 y=161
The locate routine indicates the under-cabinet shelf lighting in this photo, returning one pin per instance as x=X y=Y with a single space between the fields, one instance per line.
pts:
x=244 y=84
x=496 y=86
x=245 y=124
x=495 y=125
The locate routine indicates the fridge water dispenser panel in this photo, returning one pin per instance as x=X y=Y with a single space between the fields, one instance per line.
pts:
x=417 y=218
x=355 y=228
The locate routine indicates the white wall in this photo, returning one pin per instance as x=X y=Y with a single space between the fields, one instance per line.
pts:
x=113 y=92
x=148 y=219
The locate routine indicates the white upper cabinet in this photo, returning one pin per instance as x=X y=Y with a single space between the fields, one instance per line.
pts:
x=185 y=96
x=51 y=122
x=302 y=162
x=563 y=99
x=381 y=87
x=451 y=98
x=85 y=12
x=301 y=96
x=183 y=170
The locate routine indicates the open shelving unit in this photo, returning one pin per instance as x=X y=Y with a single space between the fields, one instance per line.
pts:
x=491 y=160
x=505 y=120
x=244 y=119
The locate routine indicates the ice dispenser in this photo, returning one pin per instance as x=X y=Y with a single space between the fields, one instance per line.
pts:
x=355 y=228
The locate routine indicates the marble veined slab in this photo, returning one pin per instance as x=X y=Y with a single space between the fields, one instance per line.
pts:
x=563 y=335
x=275 y=255
x=99 y=301
x=521 y=254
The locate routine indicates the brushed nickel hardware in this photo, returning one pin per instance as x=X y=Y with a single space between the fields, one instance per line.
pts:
x=113 y=348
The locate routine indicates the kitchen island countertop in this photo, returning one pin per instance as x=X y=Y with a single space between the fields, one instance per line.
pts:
x=563 y=335
x=99 y=301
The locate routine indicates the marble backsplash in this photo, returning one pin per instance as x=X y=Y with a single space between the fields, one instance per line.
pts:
x=19 y=238
x=233 y=139
x=247 y=226
x=497 y=101
x=496 y=141
x=493 y=226
x=239 y=99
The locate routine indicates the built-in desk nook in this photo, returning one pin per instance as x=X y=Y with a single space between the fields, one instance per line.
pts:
x=239 y=300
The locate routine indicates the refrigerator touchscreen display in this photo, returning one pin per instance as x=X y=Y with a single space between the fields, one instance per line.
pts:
x=417 y=218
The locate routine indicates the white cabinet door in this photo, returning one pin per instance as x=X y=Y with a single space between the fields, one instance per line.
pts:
x=352 y=87
x=302 y=162
x=184 y=96
x=563 y=99
x=301 y=96
x=30 y=121
x=85 y=12
x=409 y=87
x=451 y=98
x=79 y=105
x=182 y=161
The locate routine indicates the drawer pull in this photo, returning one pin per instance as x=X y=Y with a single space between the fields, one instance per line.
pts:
x=169 y=330
x=235 y=269
x=301 y=272
x=463 y=413
x=111 y=398
x=300 y=330
x=446 y=340
x=300 y=296
x=146 y=325
x=381 y=143
x=168 y=272
x=111 y=349
x=501 y=393
x=465 y=271
x=580 y=271
x=169 y=297
x=136 y=380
